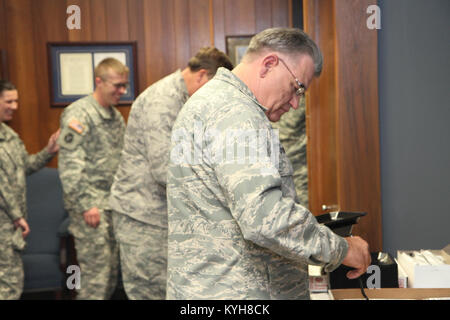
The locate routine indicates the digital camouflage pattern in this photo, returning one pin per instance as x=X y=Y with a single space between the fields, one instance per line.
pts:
x=293 y=138
x=235 y=229
x=15 y=165
x=138 y=194
x=143 y=258
x=90 y=142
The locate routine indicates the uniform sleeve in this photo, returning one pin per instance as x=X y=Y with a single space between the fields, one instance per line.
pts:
x=34 y=162
x=72 y=163
x=253 y=189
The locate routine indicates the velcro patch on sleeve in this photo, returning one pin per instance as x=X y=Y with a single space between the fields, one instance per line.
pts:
x=71 y=136
x=76 y=125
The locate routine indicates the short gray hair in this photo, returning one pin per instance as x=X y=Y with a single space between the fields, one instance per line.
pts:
x=288 y=41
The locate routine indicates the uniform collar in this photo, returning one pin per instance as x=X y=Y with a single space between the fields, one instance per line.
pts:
x=226 y=75
x=105 y=113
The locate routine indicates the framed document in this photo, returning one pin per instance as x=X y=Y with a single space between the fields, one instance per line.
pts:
x=236 y=47
x=72 y=68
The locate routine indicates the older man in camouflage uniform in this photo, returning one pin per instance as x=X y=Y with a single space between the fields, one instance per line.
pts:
x=15 y=164
x=292 y=131
x=92 y=131
x=235 y=229
x=138 y=195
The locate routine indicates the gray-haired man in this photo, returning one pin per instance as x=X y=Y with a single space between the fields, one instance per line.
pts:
x=138 y=194
x=235 y=228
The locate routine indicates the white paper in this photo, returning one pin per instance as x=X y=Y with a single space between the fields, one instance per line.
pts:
x=76 y=73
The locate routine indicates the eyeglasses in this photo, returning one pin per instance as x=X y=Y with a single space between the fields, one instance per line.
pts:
x=125 y=85
x=300 y=91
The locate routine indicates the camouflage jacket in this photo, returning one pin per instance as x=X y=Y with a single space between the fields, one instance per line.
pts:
x=235 y=229
x=15 y=164
x=90 y=142
x=139 y=188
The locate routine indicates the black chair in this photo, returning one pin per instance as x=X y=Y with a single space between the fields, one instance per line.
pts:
x=42 y=257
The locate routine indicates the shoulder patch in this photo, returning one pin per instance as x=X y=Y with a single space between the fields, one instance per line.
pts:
x=70 y=138
x=76 y=125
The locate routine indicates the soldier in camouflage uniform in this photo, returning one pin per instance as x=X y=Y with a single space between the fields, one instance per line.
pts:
x=138 y=194
x=235 y=228
x=292 y=131
x=92 y=131
x=15 y=164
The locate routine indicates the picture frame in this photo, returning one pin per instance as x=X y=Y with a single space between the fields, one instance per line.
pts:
x=236 y=47
x=72 y=64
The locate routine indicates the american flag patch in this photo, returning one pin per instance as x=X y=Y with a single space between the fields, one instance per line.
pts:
x=76 y=126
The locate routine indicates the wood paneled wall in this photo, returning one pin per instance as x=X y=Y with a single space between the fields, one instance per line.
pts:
x=167 y=32
x=343 y=122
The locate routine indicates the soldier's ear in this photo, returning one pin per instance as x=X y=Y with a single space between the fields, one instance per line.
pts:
x=202 y=74
x=268 y=62
x=98 y=81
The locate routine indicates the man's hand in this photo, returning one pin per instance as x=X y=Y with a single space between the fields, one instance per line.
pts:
x=358 y=257
x=22 y=223
x=52 y=146
x=92 y=217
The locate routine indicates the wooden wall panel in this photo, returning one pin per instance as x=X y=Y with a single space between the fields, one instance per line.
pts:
x=321 y=112
x=240 y=17
x=116 y=12
x=358 y=167
x=182 y=33
x=49 y=30
x=136 y=33
x=264 y=13
x=199 y=25
x=97 y=20
x=22 y=70
x=219 y=24
x=281 y=14
x=154 y=37
x=3 y=52
x=343 y=145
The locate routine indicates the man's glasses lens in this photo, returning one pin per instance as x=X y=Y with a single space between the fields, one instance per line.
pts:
x=121 y=85
x=300 y=91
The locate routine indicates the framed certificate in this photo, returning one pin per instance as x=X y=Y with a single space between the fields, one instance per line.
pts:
x=72 y=67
